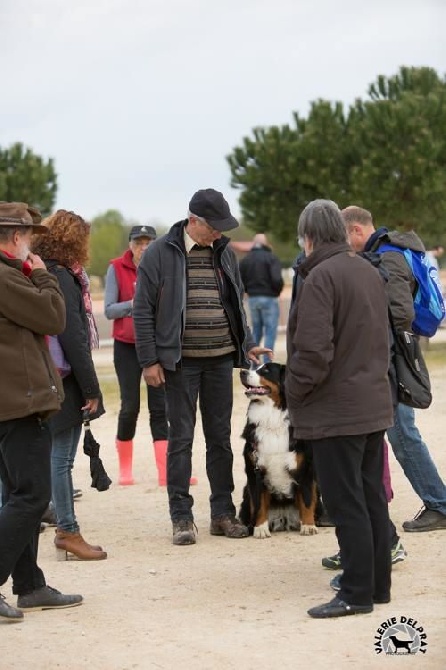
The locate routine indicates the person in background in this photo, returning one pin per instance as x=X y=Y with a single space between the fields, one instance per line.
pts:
x=339 y=401
x=65 y=251
x=120 y=285
x=407 y=444
x=31 y=306
x=191 y=331
x=261 y=275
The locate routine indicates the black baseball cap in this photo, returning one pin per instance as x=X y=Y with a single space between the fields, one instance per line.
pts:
x=142 y=231
x=211 y=205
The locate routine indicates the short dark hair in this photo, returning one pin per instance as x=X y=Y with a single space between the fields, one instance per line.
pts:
x=354 y=214
x=322 y=223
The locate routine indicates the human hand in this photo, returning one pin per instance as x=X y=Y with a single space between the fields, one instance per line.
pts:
x=255 y=352
x=154 y=375
x=91 y=405
x=36 y=262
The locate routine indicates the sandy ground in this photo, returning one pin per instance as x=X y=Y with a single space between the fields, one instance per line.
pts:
x=221 y=604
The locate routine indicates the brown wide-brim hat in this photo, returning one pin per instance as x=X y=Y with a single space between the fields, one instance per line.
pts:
x=17 y=214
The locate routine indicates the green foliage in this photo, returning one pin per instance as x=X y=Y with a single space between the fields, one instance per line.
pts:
x=387 y=153
x=26 y=177
x=109 y=239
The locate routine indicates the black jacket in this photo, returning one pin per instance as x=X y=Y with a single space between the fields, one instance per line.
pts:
x=159 y=306
x=261 y=273
x=82 y=383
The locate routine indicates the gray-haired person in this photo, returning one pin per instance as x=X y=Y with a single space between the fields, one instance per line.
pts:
x=191 y=331
x=339 y=400
x=31 y=306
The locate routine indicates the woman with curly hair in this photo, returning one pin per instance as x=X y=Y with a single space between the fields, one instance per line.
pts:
x=65 y=252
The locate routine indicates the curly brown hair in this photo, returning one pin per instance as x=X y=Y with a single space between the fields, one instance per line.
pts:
x=67 y=240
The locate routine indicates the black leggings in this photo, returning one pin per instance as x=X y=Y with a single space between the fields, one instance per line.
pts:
x=129 y=375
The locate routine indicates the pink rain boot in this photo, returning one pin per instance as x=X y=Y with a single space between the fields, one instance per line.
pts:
x=160 y=447
x=125 y=456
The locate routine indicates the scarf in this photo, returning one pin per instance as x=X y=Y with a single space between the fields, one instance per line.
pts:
x=84 y=281
x=26 y=267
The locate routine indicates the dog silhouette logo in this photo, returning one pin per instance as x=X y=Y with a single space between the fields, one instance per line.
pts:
x=400 y=635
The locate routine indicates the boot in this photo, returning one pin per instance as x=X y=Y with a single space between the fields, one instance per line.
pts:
x=73 y=543
x=160 y=447
x=125 y=456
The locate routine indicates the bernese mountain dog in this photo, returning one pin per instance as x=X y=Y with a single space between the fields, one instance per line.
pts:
x=280 y=492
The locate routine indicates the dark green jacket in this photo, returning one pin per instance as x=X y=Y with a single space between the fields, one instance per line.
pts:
x=30 y=308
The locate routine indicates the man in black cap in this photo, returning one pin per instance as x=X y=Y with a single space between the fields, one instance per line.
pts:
x=191 y=331
x=31 y=306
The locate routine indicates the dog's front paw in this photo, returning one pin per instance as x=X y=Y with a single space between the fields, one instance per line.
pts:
x=308 y=530
x=262 y=531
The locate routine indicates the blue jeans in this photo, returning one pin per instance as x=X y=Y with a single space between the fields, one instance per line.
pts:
x=413 y=456
x=63 y=452
x=264 y=312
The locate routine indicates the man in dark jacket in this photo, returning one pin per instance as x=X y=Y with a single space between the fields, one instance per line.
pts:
x=407 y=444
x=339 y=400
x=31 y=306
x=261 y=275
x=191 y=330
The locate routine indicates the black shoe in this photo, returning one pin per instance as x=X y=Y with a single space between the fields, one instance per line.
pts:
x=426 y=519
x=49 y=516
x=77 y=493
x=337 y=608
x=332 y=562
x=335 y=583
x=183 y=532
x=8 y=612
x=46 y=598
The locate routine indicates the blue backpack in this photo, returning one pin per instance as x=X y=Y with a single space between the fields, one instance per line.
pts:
x=428 y=300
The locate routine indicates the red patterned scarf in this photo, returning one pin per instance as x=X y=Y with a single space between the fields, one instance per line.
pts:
x=84 y=280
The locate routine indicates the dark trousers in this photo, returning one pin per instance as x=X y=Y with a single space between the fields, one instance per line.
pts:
x=25 y=453
x=210 y=379
x=349 y=470
x=129 y=375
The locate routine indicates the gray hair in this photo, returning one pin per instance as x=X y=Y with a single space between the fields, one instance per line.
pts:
x=199 y=218
x=321 y=221
x=7 y=232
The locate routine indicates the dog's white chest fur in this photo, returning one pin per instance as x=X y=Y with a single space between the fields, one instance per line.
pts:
x=272 y=445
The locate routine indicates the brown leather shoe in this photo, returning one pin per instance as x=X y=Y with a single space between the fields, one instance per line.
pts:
x=73 y=543
x=229 y=526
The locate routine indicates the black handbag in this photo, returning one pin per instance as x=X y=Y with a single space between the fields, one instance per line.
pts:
x=413 y=383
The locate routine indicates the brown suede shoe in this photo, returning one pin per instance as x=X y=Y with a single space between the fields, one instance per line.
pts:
x=229 y=526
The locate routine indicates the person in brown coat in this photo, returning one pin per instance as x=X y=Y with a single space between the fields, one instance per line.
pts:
x=339 y=400
x=31 y=306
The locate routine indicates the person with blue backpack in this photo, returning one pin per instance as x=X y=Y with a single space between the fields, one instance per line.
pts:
x=416 y=306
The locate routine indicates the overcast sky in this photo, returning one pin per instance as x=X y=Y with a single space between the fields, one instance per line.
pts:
x=139 y=101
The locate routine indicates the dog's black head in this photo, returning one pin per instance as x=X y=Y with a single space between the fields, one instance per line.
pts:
x=267 y=381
